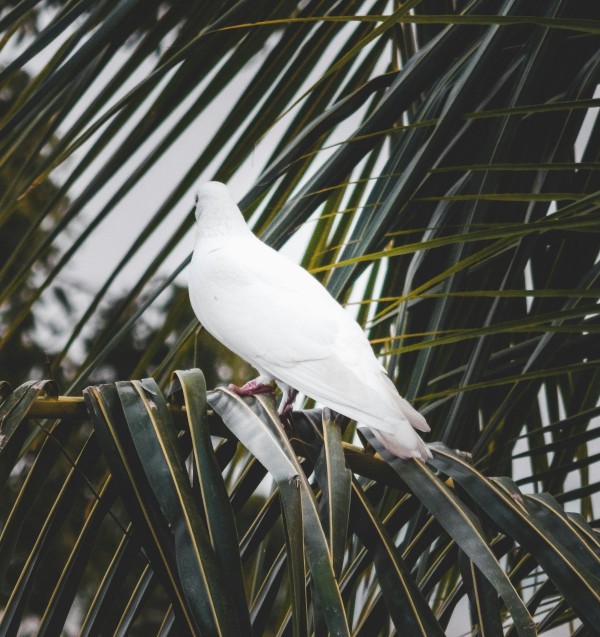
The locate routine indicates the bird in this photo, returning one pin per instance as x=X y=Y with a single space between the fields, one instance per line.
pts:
x=280 y=319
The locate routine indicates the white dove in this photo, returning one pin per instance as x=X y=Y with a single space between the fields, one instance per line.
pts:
x=280 y=319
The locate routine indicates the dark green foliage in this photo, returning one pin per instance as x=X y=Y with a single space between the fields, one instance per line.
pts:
x=380 y=545
x=441 y=159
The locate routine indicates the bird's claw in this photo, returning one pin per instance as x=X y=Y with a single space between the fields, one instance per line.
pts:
x=286 y=406
x=286 y=419
x=251 y=388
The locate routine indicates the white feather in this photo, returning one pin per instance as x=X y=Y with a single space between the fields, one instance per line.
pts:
x=281 y=320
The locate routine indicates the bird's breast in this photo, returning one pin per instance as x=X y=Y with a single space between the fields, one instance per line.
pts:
x=214 y=286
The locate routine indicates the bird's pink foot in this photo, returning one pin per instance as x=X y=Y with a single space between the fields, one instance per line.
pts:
x=285 y=408
x=287 y=401
x=251 y=388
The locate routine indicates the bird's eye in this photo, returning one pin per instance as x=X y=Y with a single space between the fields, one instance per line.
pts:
x=196 y=199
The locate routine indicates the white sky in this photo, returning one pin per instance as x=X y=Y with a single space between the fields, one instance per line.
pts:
x=110 y=241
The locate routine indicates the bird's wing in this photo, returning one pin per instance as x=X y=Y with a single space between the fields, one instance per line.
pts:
x=252 y=299
x=280 y=319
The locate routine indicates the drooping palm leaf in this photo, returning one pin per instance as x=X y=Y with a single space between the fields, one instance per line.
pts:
x=441 y=159
x=162 y=523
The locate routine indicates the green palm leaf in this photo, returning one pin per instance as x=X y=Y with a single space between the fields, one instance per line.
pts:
x=437 y=162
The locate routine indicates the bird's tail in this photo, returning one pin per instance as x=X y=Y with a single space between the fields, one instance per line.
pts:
x=416 y=419
x=406 y=443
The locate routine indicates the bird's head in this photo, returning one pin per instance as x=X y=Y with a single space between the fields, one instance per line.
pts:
x=216 y=211
x=211 y=195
